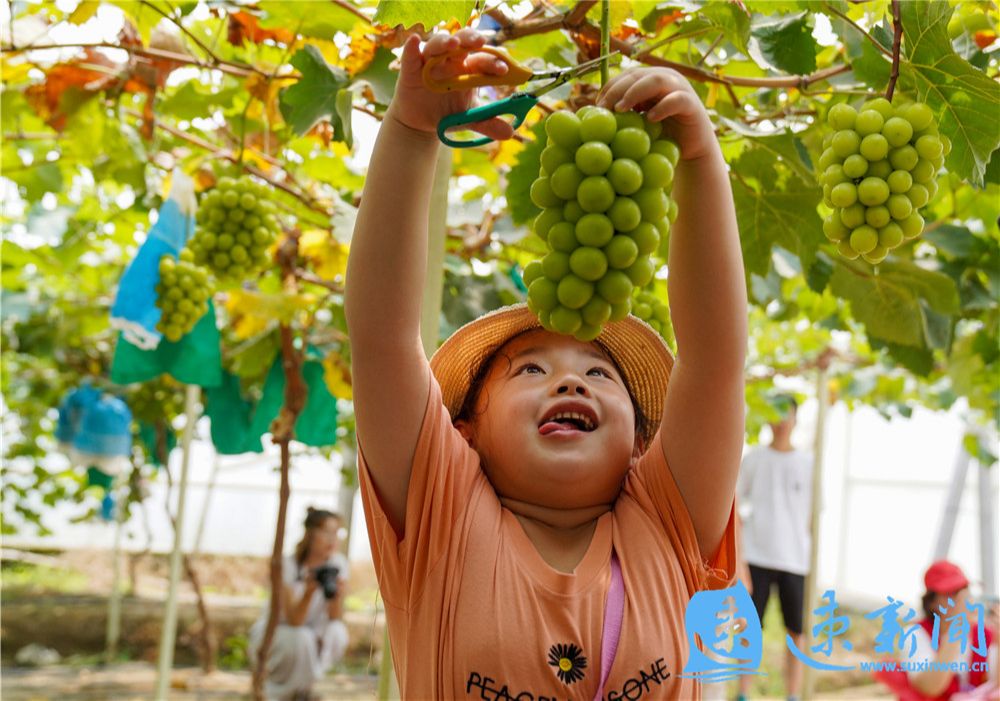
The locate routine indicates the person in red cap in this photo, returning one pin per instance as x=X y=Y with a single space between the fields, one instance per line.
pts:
x=947 y=595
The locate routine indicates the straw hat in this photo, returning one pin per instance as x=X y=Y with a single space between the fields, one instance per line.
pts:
x=641 y=355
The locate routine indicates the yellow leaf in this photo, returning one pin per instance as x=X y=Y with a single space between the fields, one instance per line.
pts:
x=327 y=255
x=337 y=375
x=506 y=153
x=84 y=11
x=252 y=312
x=713 y=95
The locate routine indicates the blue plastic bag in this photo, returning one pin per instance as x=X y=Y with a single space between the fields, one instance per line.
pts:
x=135 y=311
x=71 y=411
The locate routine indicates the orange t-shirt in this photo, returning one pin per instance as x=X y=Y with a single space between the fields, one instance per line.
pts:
x=475 y=612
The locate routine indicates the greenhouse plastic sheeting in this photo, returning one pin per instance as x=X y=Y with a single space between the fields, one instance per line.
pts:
x=196 y=359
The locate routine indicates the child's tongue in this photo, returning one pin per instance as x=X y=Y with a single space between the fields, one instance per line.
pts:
x=553 y=426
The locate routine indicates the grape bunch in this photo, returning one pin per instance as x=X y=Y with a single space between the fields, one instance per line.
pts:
x=603 y=190
x=182 y=295
x=236 y=224
x=157 y=400
x=655 y=312
x=879 y=168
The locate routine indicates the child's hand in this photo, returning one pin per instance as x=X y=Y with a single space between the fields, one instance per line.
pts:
x=663 y=93
x=421 y=109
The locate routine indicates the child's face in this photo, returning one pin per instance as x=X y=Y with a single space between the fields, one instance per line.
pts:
x=531 y=455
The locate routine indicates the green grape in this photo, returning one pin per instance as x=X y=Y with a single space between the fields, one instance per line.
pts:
x=532 y=272
x=667 y=148
x=919 y=116
x=562 y=237
x=874 y=147
x=863 y=239
x=594 y=230
x=890 y=236
x=236 y=215
x=923 y=172
x=657 y=171
x=918 y=195
x=572 y=211
x=647 y=237
x=836 y=174
x=621 y=251
x=876 y=255
x=586 y=333
x=563 y=128
x=220 y=261
x=869 y=121
x=565 y=181
x=834 y=229
x=880 y=105
x=624 y=214
x=929 y=146
x=900 y=206
x=239 y=254
x=653 y=202
x=873 y=191
x=897 y=131
x=841 y=116
x=593 y=158
x=904 y=158
x=542 y=195
x=827 y=159
x=630 y=120
x=545 y=221
x=564 y=320
x=225 y=242
x=598 y=124
x=844 y=194
x=845 y=143
x=555 y=265
x=855 y=166
x=588 y=263
x=615 y=287
x=653 y=129
x=641 y=271
x=230 y=199
x=574 y=291
x=853 y=216
x=845 y=249
x=626 y=176
x=554 y=156
x=630 y=143
x=596 y=312
x=542 y=292
x=595 y=194
x=877 y=216
x=945 y=144
x=912 y=226
x=899 y=181
x=620 y=310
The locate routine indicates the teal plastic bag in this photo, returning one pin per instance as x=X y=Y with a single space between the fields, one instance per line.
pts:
x=196 y=359
x=233 y=431
x=317 y=424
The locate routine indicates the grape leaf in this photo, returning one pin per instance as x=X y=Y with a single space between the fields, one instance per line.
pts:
x=191 y=100
x=965 y=99
x=733 y=20
x=770 y=7
x=898 y=304
x=522 y=175
x=919 y=361
x=379 y=76
x=316 y=95
x=787 y=44
x=319 y=20
x=36 y=180
x=84 y=11
x=774 y=207
x=426 y=12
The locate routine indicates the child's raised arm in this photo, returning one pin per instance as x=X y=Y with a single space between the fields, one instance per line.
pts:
x=703 y=424
x=388 y=263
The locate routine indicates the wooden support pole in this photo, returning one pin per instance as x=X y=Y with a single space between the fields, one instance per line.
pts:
x=822 y=396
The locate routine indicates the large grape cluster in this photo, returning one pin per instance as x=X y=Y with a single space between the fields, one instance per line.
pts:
x=156 y=400
x=182 y=295
x=603 y=189
x=236 y=224
x=879 y=168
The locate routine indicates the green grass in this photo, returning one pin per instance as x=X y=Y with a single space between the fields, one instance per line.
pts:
x=23 y=579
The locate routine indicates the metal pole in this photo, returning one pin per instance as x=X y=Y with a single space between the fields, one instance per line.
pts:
x=345 y=495
x=113 y=631
x=988 y=528
x=822 y=396
x=169 y=631
x=951 y=504
x=430 y=325
x=845 y=502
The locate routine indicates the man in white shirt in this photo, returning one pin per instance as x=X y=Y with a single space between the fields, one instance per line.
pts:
x=775 y=488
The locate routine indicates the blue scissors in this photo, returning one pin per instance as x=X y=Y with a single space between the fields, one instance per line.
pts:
x=517 y=105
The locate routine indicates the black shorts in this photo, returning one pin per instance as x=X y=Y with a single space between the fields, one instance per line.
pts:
x=791 y=594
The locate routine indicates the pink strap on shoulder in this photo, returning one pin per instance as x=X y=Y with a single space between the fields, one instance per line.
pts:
x=614 y=609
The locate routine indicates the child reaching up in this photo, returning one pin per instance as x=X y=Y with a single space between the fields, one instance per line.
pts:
x=541 y=510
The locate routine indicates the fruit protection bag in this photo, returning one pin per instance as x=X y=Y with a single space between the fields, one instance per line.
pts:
x=196 y=359
x=231 y=415
x=317 y=424
x=134 y=310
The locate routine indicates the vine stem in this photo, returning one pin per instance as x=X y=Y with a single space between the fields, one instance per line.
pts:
x=605 y=39
x=897 y=40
